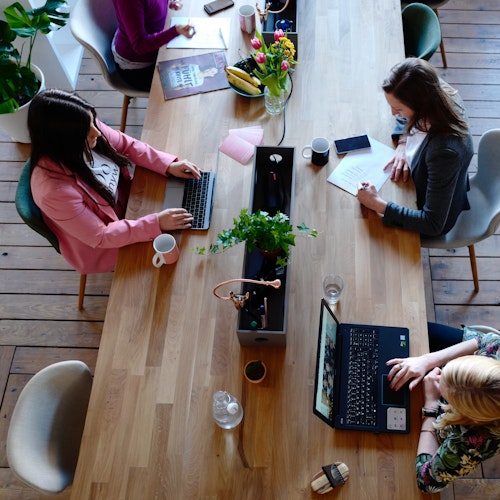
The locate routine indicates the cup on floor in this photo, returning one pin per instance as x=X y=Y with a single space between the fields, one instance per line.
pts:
x=167 y=251
x=318 y=151
x=247 y=18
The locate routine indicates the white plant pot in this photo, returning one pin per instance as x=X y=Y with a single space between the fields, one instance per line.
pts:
x=16 y=124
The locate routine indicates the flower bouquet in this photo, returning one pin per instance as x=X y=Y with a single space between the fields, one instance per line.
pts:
x=274 y=62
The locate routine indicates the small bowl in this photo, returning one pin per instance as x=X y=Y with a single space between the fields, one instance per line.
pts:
x=245 y=94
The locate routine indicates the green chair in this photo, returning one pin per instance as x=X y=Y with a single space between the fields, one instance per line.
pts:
x=32 y=216
x=421 y=30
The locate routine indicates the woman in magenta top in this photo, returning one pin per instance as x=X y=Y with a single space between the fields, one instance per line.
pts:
x=140 y=33
x=80 y=180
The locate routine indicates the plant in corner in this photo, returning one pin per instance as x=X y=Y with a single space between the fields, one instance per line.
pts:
x=255 y=371
x=267 y=233
x=18 y=82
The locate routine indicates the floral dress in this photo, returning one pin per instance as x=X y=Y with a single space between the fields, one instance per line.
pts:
x=462 y=448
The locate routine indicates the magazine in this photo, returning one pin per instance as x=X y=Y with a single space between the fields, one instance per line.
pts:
x=193 y=75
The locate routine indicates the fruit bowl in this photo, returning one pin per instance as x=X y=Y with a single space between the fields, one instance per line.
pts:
x=245 y=94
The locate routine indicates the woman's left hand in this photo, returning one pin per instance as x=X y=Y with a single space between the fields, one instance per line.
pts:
x=184 y=169
x=369 y=197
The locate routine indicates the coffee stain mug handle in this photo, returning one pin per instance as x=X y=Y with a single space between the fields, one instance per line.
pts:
x=304 y=149
x=158 y=260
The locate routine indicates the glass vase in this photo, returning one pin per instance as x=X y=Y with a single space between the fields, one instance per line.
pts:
x=275 y=104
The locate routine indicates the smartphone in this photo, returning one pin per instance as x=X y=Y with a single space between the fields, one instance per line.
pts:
x=217 y=6
x=351 y=144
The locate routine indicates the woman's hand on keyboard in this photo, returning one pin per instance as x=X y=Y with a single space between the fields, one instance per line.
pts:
x=184 y=169
x=175 y=218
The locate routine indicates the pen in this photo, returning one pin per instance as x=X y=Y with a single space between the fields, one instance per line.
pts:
x=263 y=322
x=222 y=37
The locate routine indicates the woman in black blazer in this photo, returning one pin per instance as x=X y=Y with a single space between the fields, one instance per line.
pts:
x=435 y=148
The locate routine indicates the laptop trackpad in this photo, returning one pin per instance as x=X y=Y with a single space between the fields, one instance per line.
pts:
x=174 y=193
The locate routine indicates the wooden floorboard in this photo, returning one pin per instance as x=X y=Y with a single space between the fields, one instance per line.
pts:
x=39 y=320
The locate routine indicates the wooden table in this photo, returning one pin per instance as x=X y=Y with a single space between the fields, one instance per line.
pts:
x=168 y=344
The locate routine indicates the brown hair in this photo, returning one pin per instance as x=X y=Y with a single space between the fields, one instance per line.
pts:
x=416 y=84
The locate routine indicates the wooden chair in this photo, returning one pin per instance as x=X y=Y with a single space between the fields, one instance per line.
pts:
x=483 y=218
x=434 y=5
x=421 y=30
x=32 y=216
x=93 y=23
x=46 y=426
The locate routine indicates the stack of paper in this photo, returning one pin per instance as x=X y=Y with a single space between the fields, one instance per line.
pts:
x=240 y=143
x=210 y=33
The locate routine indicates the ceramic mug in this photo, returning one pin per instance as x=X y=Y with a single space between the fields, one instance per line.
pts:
x=167 y=251
x=319 y=151
x=247 y=18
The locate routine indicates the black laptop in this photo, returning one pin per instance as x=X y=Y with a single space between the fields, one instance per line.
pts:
x=351 y=389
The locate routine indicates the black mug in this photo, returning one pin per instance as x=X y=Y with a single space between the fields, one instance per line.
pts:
x=319 y=151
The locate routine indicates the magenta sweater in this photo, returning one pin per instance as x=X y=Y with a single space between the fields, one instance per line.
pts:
x=141 y=30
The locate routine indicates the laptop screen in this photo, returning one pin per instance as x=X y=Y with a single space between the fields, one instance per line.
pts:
x=325 y=366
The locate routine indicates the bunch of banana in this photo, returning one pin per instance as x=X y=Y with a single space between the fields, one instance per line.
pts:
x=243 y=80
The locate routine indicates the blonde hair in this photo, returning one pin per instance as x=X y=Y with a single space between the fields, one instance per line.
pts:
x=473 y=389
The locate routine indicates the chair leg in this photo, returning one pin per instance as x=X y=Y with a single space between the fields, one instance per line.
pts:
x=81 y=294
x=441 y=45
x=123 y=122
x=473 y=265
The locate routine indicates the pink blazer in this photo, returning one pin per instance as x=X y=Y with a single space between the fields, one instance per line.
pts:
x=88 y=230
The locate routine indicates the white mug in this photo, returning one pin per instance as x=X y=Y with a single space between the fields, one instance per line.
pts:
x=167 y=251
x=247 y=18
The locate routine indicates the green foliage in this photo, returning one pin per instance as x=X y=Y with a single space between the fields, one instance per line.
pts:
x=18 y=83
x=259 y=230
x=255 y=370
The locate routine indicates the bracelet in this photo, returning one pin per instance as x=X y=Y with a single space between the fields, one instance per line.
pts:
x=428 y=430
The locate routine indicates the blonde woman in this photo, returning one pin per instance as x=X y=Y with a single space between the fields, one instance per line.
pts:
x=461 y=413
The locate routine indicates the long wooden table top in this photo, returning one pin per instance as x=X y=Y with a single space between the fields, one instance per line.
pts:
x=168 y=344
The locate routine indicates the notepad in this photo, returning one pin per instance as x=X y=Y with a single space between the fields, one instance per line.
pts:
x=240 y=143
x=211 y=33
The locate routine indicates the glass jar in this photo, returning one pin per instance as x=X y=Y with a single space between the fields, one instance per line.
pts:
x=226 y=410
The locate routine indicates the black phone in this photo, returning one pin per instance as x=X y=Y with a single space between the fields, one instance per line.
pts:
x=217 y=6
x=351 y=144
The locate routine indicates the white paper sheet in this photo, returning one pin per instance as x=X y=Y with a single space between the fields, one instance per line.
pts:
x=365 y=165
x=211 y=33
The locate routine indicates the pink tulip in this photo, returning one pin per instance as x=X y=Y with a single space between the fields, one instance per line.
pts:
x=256 y=43
x=278 y=34
x=260 y=58
x=285 y=66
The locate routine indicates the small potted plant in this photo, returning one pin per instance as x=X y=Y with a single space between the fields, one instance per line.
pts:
x=20 y=80
x=272 y=235
x=255 y=371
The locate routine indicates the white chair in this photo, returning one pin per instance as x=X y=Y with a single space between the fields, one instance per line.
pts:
x=93 y=23
x=46 y=426
x=484 y=329
x=483 y=218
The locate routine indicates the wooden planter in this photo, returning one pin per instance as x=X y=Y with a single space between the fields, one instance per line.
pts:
x=273 y=189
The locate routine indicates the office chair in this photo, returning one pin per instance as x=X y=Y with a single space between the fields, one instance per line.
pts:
x=32 y=216
x=93 y=23
x=483 y=218
x=434 y=5
x=421 y=31
x=484 y=329
x=46 y=426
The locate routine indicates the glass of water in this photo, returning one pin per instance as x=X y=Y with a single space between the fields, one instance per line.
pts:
x=333 y=285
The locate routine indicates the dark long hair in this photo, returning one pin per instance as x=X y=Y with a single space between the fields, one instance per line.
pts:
x=416 y=84
x=59 y=123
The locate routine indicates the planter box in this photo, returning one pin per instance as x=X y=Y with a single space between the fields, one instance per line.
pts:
x=289 y=14
x=273 y=189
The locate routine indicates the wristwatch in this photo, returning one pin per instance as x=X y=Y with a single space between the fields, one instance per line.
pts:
x=426 y=412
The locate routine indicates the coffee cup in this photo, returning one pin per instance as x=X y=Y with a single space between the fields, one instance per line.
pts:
x=167 y=251
x=247 y=18
x=318 y=151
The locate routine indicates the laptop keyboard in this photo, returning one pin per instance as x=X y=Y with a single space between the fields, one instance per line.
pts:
x=362 y=377
x=195 y=198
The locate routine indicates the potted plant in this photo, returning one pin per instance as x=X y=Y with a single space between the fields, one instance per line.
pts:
x=272 y=235
x=255 y=371
x=20 y=80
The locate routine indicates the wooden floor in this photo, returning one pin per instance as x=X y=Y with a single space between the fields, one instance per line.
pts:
x=39 y=320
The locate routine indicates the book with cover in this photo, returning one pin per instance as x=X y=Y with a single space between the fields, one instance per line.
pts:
x=193 y=75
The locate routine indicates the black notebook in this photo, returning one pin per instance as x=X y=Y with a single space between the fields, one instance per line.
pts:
x=351 y=389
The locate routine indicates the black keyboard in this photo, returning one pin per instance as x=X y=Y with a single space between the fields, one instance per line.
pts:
x=362 y=377
x=195 y=199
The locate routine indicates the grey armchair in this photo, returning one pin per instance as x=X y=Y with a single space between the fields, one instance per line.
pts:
x=483 y=218
x=93 y=24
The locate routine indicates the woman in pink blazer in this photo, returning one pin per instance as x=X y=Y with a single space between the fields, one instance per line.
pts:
x=81 y=176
